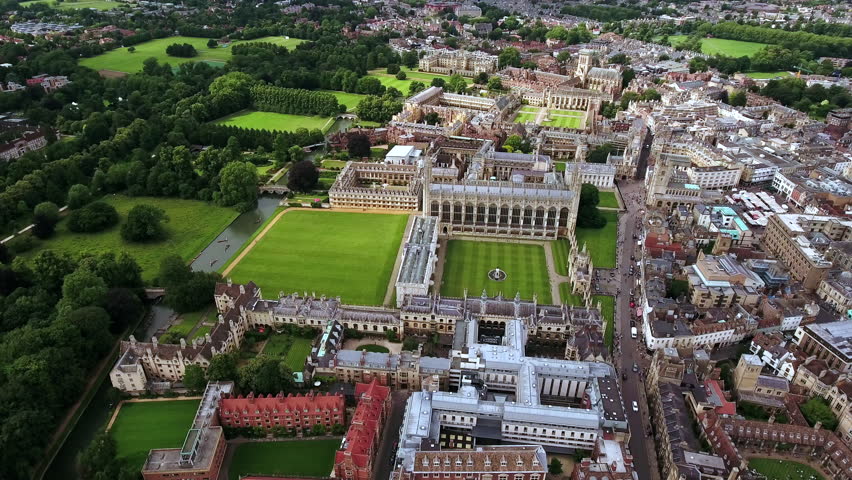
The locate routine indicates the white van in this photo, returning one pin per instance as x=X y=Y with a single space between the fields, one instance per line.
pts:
x=633 y=332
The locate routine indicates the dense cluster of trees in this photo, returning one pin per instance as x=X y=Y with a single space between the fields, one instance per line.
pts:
x=815 y=100
x=93 y=217
x=602 y=13
x=818 y=45
x=186 y=290
x=378 y=109
x=183 y=50
x=588 y=215
x=294 y=101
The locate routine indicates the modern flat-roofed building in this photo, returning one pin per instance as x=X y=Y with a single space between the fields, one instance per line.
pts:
x=830 y=342
x=720 y=281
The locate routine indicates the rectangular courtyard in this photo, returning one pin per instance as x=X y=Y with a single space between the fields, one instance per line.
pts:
x=328 y=253
x=141 y=426
x=297 y=458
x=468 y=263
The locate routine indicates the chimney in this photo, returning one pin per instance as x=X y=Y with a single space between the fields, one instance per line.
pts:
x=207 y=337
x=229 y=281
x=154 y=341
x=242 y=289
x=133 y=340
x=818 y=425
x=182 y=343
x=250 y=397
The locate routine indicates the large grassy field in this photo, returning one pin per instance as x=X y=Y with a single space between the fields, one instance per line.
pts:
x=783 y=469
x=192 y=226
x=277 y=122
x=121 y=60
x=558 y=118
x=330 y=253
x=468 y=262
x=767 y=75
x=601 y=241
x=389 y=80
x=294 y=349
x=96 y=4
x=351 y=100
x=313 y=458
x=732 y=48
x=142 y=426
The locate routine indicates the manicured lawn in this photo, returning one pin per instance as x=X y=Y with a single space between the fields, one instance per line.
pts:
x=559 y=166
x=349 y=99
x=277 y=122
x=607 y=200
x=732 y=48
x=202 y=331
x=767 y=75
x=332 y=164
x=373 y=348
x=192 y=226
x=558 y=118
x=329 y=253
x=121 y=60
x=187 y=321
x=313 y=458
x=468 y=262
x=389 y=80
x=142 y=426
x=563 y=121
x=526 y=118
x=561 y=251
x=783 y=469
x=262 y=169
x=96 y=4
x=601 y=241
x=569 y=298
x=294 y=349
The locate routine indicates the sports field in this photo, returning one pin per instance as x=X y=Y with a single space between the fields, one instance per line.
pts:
x=96 y=4
x=389 y=80
x=141 y=426
x=351 y=100
x=192 y=226
x=277 y=122
x=783 y=469
x=121 y=60
x=601 y=241
x=468 y=262
x=294 y=349
x=313 y=458
x=768 y=75
x=731 y=48
x=329 y=253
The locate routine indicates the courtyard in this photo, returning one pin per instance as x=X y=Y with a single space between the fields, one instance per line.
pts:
x=601 y=242
x=550 y=117
x=294 y=350
x=141 y=426
x=350 y=255
x=775 y=469
x=468 y=263
x=314 y=458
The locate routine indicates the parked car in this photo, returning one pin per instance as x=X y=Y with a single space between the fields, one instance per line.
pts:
x=635 y=406
x=635 y=367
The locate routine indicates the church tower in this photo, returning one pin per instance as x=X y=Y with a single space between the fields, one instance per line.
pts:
x=585 y=64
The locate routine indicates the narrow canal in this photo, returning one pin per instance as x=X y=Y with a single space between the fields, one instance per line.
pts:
x=96 y=415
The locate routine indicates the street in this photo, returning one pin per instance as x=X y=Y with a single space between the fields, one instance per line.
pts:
x=390 y=435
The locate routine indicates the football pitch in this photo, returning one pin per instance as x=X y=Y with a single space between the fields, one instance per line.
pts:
x=468 y=263
x=327 y=253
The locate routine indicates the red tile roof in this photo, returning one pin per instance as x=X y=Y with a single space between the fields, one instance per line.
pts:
x=366 y=424
x=281 y=403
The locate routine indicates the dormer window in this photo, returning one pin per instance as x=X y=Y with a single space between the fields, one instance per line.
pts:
x=437 y=462
x=458 y=462
x=487 y=462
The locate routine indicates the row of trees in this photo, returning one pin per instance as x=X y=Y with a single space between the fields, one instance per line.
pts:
x=294 y=101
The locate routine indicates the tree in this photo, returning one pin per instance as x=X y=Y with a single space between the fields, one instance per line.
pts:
x=296 y=153
x=94 y=217
x=516 y=143
x=438 y=82
x=410 y=344
x=183 y=50
x=238 y=186
x=627 y=76
x=378 y=109
x=392 y=69
x=194 y=379
x=737 y=98
x=588 y=215
x=555 y=467
x=494 y=83
x=78 y=196
x=456 y=83
x=358 y=146
x=223 y=367
x=589 y=195
x=620 y=58
x=338 y=429
x=400 y=75
x=45 y=216
x=432 y=118
x=144 y=223
x=318 y=429
x=816 y=410
x=600 y=153
x=123 y=307
x=416 y=87
x=303 y=176
x=266 y=375
x=212 y=43
x=509 y=57
x=131 y=49
x=82 y=289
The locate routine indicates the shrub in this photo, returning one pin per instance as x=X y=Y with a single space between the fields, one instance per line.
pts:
x=94 y=217
x=144 y=223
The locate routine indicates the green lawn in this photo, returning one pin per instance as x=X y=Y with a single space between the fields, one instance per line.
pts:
x=294 y=349
x=468 y=262
x=561 y=252
x=263 y=169
x=202 y=331
x=601 y=241
x=96 y=4
x=563 y=121
x=732 y=48
x=569 y=298
x=389 y=80
x=313 y=458
x=277 y=122
x=767 y=75
x=142 y=426
x=783 y=469
x=333 y=164
x=351 y=100
x=526 y=118
x=188 y=321
x=607 y=200
x=121 y=60
x=330 y=253
x=192 y=226
x=371 y=347
x=559 y=166
x=558 y=118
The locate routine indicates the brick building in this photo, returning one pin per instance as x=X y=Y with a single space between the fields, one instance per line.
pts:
x=354 y=461
x=491 y=462
x=291 y=412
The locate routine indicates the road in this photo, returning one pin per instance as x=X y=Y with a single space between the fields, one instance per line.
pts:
x=387 y=451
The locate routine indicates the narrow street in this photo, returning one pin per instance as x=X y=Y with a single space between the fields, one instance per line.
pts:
x=387 y=446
